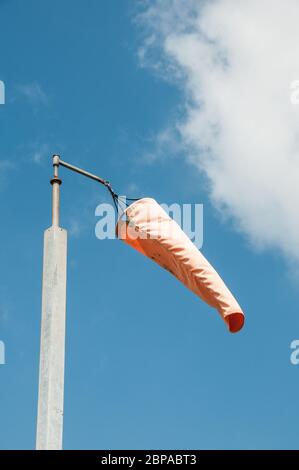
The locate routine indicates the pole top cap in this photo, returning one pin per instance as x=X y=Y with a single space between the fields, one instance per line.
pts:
x=56 y=159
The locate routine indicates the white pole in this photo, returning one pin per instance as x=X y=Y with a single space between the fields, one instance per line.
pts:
x=52 y=352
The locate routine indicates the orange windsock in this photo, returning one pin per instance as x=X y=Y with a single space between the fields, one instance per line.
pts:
x=150 y=230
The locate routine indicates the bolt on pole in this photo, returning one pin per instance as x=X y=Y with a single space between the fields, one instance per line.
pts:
x=52 y=349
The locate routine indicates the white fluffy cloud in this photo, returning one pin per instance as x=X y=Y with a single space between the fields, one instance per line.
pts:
x=236 y=61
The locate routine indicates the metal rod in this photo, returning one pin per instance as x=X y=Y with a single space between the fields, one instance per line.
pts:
x=82 y=172
x=56 y=182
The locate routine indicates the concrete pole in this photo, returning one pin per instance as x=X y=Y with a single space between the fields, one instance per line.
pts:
x=52 y=352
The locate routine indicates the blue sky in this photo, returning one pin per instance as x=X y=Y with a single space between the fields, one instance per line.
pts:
x=142 y=371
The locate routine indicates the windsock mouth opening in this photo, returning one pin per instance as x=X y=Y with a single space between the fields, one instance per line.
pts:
x=126 y=213
x=235 y=322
